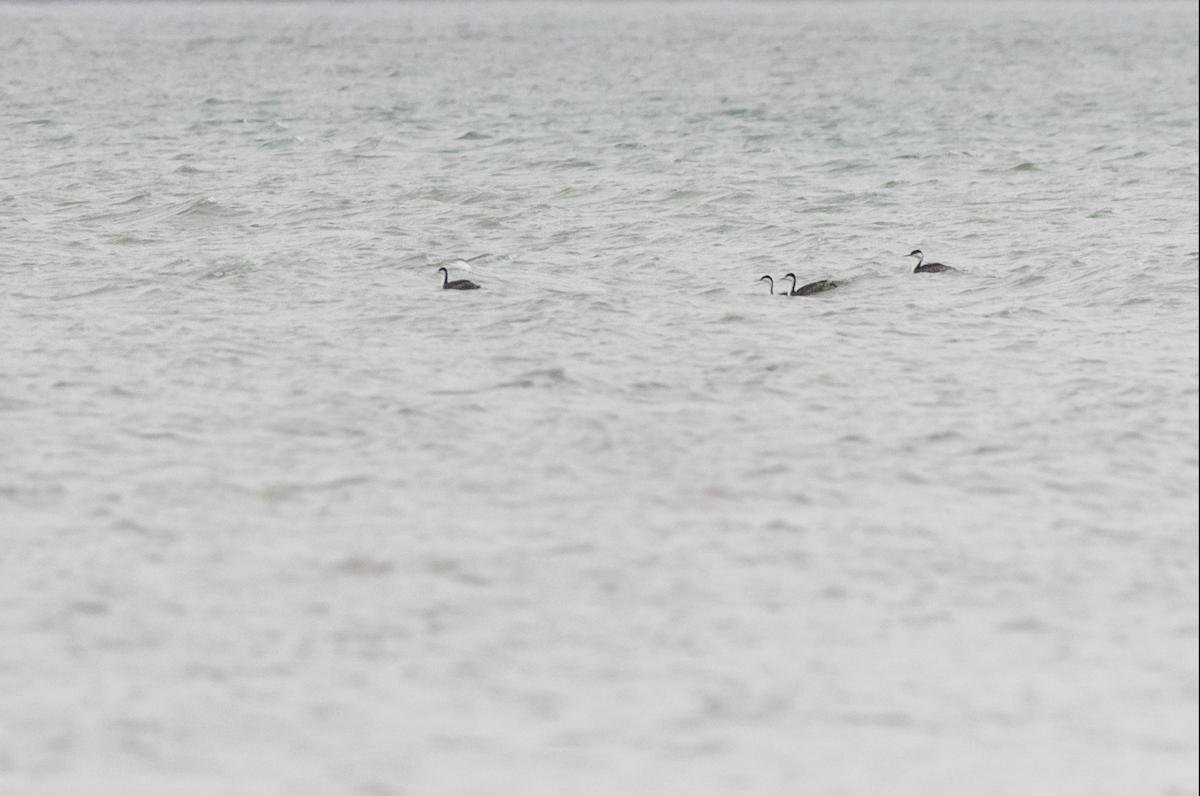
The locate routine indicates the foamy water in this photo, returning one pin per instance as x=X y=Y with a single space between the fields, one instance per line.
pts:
x=282 y=517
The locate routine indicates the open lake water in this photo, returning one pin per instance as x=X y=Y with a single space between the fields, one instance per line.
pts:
x=280 y=516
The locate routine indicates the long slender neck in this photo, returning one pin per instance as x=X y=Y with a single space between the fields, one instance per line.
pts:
x=793 y=278
x=445 y=276
x=771 y=284
x=920 y=258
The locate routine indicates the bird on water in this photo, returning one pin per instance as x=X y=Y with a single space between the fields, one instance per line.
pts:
x=811 y=288
x=929 y=268
x=457 y=284
x=770 y=282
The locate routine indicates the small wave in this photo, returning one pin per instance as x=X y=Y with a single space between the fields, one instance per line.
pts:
x=201 y=206
x=548 y=377
x=226 y=270
x=284 y=490
x=360 y=566
x=110 y=287
x=276 y=143
x=206 y=206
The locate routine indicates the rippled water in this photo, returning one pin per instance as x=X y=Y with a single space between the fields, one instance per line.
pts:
x=282 y=517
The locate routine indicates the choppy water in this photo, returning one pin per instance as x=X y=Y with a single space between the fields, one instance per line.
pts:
x=280 y=516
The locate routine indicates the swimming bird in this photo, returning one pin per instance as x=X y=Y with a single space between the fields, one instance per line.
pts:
x=811 y=288
x=770 y=281
x=932 y=268
x=457 y=284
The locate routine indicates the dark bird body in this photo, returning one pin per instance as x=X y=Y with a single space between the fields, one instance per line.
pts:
x=812 y=288
x=457 y=284
x=928 y=268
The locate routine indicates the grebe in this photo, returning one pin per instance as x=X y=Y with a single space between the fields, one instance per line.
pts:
x=811 y=288
x=770 y=282
x=457 y=284
x=932 y=268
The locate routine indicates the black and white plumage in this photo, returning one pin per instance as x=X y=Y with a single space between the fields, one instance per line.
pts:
x=812 y=288
x=927 y=268
x=770 y=282
x=457 y=284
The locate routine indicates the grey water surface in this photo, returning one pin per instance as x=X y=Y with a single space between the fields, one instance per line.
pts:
x=280 y=516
